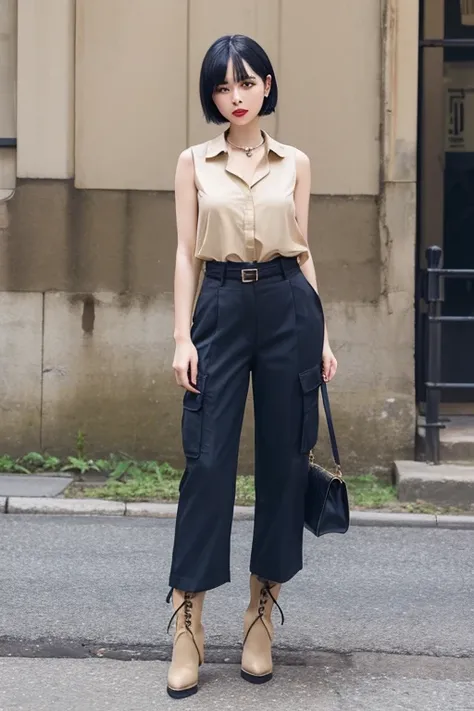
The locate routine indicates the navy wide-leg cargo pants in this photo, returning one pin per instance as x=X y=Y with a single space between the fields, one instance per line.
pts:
x=265 y=319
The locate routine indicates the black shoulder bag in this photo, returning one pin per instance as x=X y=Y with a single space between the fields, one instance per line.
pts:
x=326 y=500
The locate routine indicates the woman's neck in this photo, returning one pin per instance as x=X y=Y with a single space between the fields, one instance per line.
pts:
x=249 y=135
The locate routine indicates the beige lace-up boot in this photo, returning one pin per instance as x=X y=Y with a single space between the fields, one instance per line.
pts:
x=188 y=647
x=257 y=665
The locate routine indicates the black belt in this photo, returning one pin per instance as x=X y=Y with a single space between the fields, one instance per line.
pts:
x=248 y=272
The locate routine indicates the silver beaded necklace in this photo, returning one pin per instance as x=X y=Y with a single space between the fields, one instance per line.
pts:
x=248 y=149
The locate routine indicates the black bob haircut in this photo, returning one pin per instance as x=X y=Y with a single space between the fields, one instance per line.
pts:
x=214 y=69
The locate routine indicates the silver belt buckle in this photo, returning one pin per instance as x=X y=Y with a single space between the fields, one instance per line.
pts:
x=249 y=275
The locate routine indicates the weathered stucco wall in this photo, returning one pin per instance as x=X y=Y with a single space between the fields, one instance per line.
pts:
x=101 y=262
x=87 y=252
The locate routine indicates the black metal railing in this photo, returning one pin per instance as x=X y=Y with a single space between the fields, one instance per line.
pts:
x=433 y=294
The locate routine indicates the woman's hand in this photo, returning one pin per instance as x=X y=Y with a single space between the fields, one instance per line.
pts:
x=329 y=364
x=185 y=364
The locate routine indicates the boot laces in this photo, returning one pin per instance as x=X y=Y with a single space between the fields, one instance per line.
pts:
x=265 y=594
x=187 y=604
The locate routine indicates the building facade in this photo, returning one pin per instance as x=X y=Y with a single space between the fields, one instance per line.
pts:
x=98 y=98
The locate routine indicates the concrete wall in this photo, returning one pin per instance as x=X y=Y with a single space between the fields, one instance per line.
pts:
x=95 y=254
x=8 y=48
x=137 y=82
x=46 y=33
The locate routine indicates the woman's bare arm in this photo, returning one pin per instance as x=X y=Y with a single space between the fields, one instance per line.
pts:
x=187 y=271
x=302 y=197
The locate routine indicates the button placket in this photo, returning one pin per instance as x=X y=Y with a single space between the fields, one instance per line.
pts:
x=249 y=226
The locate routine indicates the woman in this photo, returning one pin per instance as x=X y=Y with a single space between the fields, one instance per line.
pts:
x=242 y=202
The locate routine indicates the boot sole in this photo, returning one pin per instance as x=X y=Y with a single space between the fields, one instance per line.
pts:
x=253 y=679
x=181 y=693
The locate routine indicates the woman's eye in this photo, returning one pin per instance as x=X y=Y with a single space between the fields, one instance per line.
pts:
x=249 y=84
x=221 y=89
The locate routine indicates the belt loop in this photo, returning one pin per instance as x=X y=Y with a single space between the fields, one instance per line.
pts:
x=223 y=273
x=282 y=267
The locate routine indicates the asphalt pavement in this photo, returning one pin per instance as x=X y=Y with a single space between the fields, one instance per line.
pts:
x=379 y=619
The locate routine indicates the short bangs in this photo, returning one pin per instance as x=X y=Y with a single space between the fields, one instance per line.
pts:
x=214 y=68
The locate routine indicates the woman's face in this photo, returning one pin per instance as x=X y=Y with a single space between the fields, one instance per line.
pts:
x=244 y=97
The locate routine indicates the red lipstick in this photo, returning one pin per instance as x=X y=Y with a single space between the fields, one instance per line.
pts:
x=239 y=112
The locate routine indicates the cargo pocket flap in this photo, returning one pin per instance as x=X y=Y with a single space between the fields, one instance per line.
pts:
x=193 y=401
x=310 y=379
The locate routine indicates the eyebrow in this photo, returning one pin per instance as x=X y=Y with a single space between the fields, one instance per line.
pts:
x=246 y=79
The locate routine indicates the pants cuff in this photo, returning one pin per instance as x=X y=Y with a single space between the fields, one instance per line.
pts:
x=280 y=579
x=196 y=584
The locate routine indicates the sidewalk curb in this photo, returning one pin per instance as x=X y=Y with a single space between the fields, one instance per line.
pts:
x=103 y=507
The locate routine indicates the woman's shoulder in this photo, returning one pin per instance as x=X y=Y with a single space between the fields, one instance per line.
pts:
x=299 y=155
x=198 y=149
x=302 y=160
x=289 y=149
x=302 y=163
x=192 y=153
x=212 y=145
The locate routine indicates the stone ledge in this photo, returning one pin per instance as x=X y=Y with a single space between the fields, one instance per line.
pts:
x=443 y=484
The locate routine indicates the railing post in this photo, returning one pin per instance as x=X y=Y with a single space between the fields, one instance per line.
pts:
x=434 y=258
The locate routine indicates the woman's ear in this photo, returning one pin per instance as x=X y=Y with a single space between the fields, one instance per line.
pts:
x=268 y=84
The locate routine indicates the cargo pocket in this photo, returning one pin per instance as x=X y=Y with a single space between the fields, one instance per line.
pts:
x=310 y=382
x=192 y=419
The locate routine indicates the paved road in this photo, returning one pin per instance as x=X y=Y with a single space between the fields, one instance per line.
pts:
x=377 y=615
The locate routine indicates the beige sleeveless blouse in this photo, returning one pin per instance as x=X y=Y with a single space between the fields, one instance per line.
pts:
x=241 y=222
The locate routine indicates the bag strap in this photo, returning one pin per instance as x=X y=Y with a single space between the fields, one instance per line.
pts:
x=332 y=434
